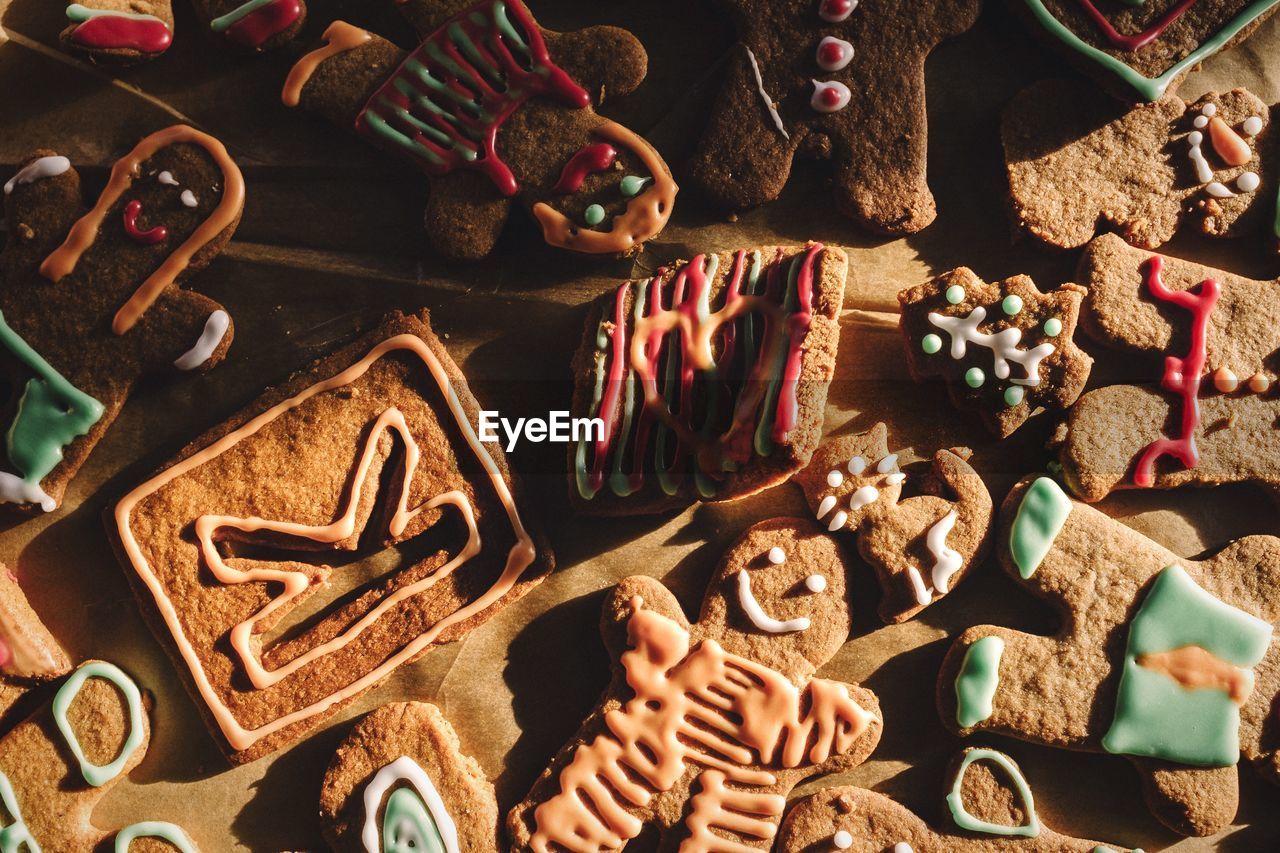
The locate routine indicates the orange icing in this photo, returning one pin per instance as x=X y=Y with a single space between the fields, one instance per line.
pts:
x=705 y=707
x=743 y=813
x=1194 y=667
x=338 y=38
x=646 y=214
x=1233 y=150
x=520 y=556
x=83 y=234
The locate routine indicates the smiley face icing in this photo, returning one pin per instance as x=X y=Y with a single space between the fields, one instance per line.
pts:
x=707 y=726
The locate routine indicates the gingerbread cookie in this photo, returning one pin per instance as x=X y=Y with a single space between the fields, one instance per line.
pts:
x=56 y=765
x=126 y=32
x=710 y=378
x=1004 y=349
x=496 y=111
x=29 y=655
x=1169 y=662
x=705 y=728
x=1078 y=162
x=1142 y=50
x=836 y=80
x=1200 y=347
x=400 y=782
x=920 y=547
x=89 y=306
x=989 y=803
x=375 y=442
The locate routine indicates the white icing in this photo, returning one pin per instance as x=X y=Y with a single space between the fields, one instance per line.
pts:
x=1252 y=126
x=15 y=490
x=857 y=465
x=828 y=503
x=902 y=847
x=815 y=583
x=1209 y=110
x=1225 y=381
x=946 y=562
x=166 y=177
x=923 y=596
x=1003 y=344
x=1248 y=182
x=777 y=556
x=895 y=478
x=1204 y=173
x=215 y=329
x=763 y=621
x=764 y=96
x=1217 y=190
x=845 y=53
x=863 y=496
x=885 y=465
x=407 y=769
x=842 y=840
x=188 y=198
x=837 y=521
x=1201 y=122
x=41 y=167
x=834 y=479
x=1259 y=383
x=818 y=101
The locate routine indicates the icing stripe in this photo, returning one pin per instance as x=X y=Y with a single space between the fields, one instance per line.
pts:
x=224 y=22
x=98 y=775
x=215 y=329
x=41 y=167
x=170 y=832
x=338 y=38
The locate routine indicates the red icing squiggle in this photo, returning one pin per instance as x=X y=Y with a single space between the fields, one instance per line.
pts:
x=261 y=24
x=1181 y=374
x=114 y=32
x=595 y=157
x=609 y=402
x=1138 y=40
x=132 y=211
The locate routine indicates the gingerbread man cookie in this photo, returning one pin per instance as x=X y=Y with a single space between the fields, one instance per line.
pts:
x=920 y=547
x=1167 y=661
x=1004 y=349
x=1209 y=413
x=400 y=783
x=832 y=79
x=56 y=765
x=125 y=32
x=89 y=306
x=1078 y=162
x=374 y=444
x=989 y=802
x=497 y=111
x=706 y=727
x=29 y=655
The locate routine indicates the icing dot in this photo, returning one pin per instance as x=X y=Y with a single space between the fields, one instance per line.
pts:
x=1209 y=110
x=857 y=465
x=631 y=185
x=1252 y=126
x=902 y=847
x=1219 y=190
x=862 y=497
x=829 y=96
x=825 y=507
x=974 y=377
x=885 y=465
x=1053 y=327
x=1012 y=304
x=1259 y=383
x=1013 y=395
x=1200 y=122
x=777 y=556
x=931 y=344
x=895 y=479
x=955 y=294
x=166 y=177
x=188 y=198
x=834 y=54
x=815 y=583
x=842 y=840
x=837 y=521
x=835 y=11
x=594 y=214
x=1225 y=381
x=1248 y=182
x=834 y=479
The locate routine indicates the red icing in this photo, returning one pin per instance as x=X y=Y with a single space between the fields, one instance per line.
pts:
x=595 y=157
x=132 y=211
x=830 y=97
x=261 y=24
x=1139 y=40
x=613 y=390
x=836 y=8
x=1181 y=375
x=829 y=53
x=114 y=32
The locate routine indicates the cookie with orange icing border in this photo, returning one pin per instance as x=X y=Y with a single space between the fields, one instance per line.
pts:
x=92 y=302
x=920 y=546
x=125 y=32
x=29 y=655
x=374 y=445
x=989 y=803
x=497 y=112
x=1078 y=163
x=706 y=727
x=400 y=781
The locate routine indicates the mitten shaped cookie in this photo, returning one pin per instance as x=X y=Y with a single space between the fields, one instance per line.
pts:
x=29 y=655
x=1142 y=50
x=90 y=306
x=706 y=727
x=920 y=547
x=368 y=449
x=1003 y=349
x=710 y=378
x=1078 y=162
x=1167 y=661
x=1209 y=413
x=125 y=32
x=496 y=111
x=989 y=803
x=836 y=80
x=56 y=765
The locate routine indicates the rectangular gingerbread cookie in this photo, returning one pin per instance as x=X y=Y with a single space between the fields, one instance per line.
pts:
x=369 y=448
x=710 y=378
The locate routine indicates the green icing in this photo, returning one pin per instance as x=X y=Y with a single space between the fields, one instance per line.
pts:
x=931 y=344
x=163 y=830
x=407 y=826
x=14 y=836
x=974 y=377
x=964 y=820
x=1043 y=511
x=977 y=682
x=955 y=294
x=631 y=185
x=1013 y=395
x=1053 y=327
x=78 y=14
x=1155 y=715
x=593 y=215
x=1012 y=304
x=98 y=775
x=1150 y=88
x=225 y=22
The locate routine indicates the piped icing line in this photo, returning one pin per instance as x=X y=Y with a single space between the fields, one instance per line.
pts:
x=921 y=592
x=38 y=169
x=734 y=811
x=1003 y=345
x=520 y=556
x=15 y=834
x=165 y=831
x=62 y=262
x=1137 y=41
x=98 y=775
x=338 y=38
x=405 y=769
x=150 y=237
x=252 y=23
x=106 y=29
x=1182 y=375
x=963 y=819
x=589 y=159
x=759 y=618
x=946 y=561
x=764 y=95
x=215 y=329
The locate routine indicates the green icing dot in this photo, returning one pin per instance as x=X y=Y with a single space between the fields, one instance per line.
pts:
x=955 y=294
x=1013 y=395
x=1012 y=304
x=974 y=377
x=594 y=214
x=931 y=344
x=1053 y=327
x=631 y=185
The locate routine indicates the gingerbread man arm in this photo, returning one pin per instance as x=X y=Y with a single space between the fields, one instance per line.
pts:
x=42 y=199
x=606 y=61
x=252 y=25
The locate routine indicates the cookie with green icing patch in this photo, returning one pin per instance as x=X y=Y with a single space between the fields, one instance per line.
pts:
x=497 y=112
x=1004 y=349
x=1167 y=661
x=401 y=782
x=29 y=655
x=989 y=805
